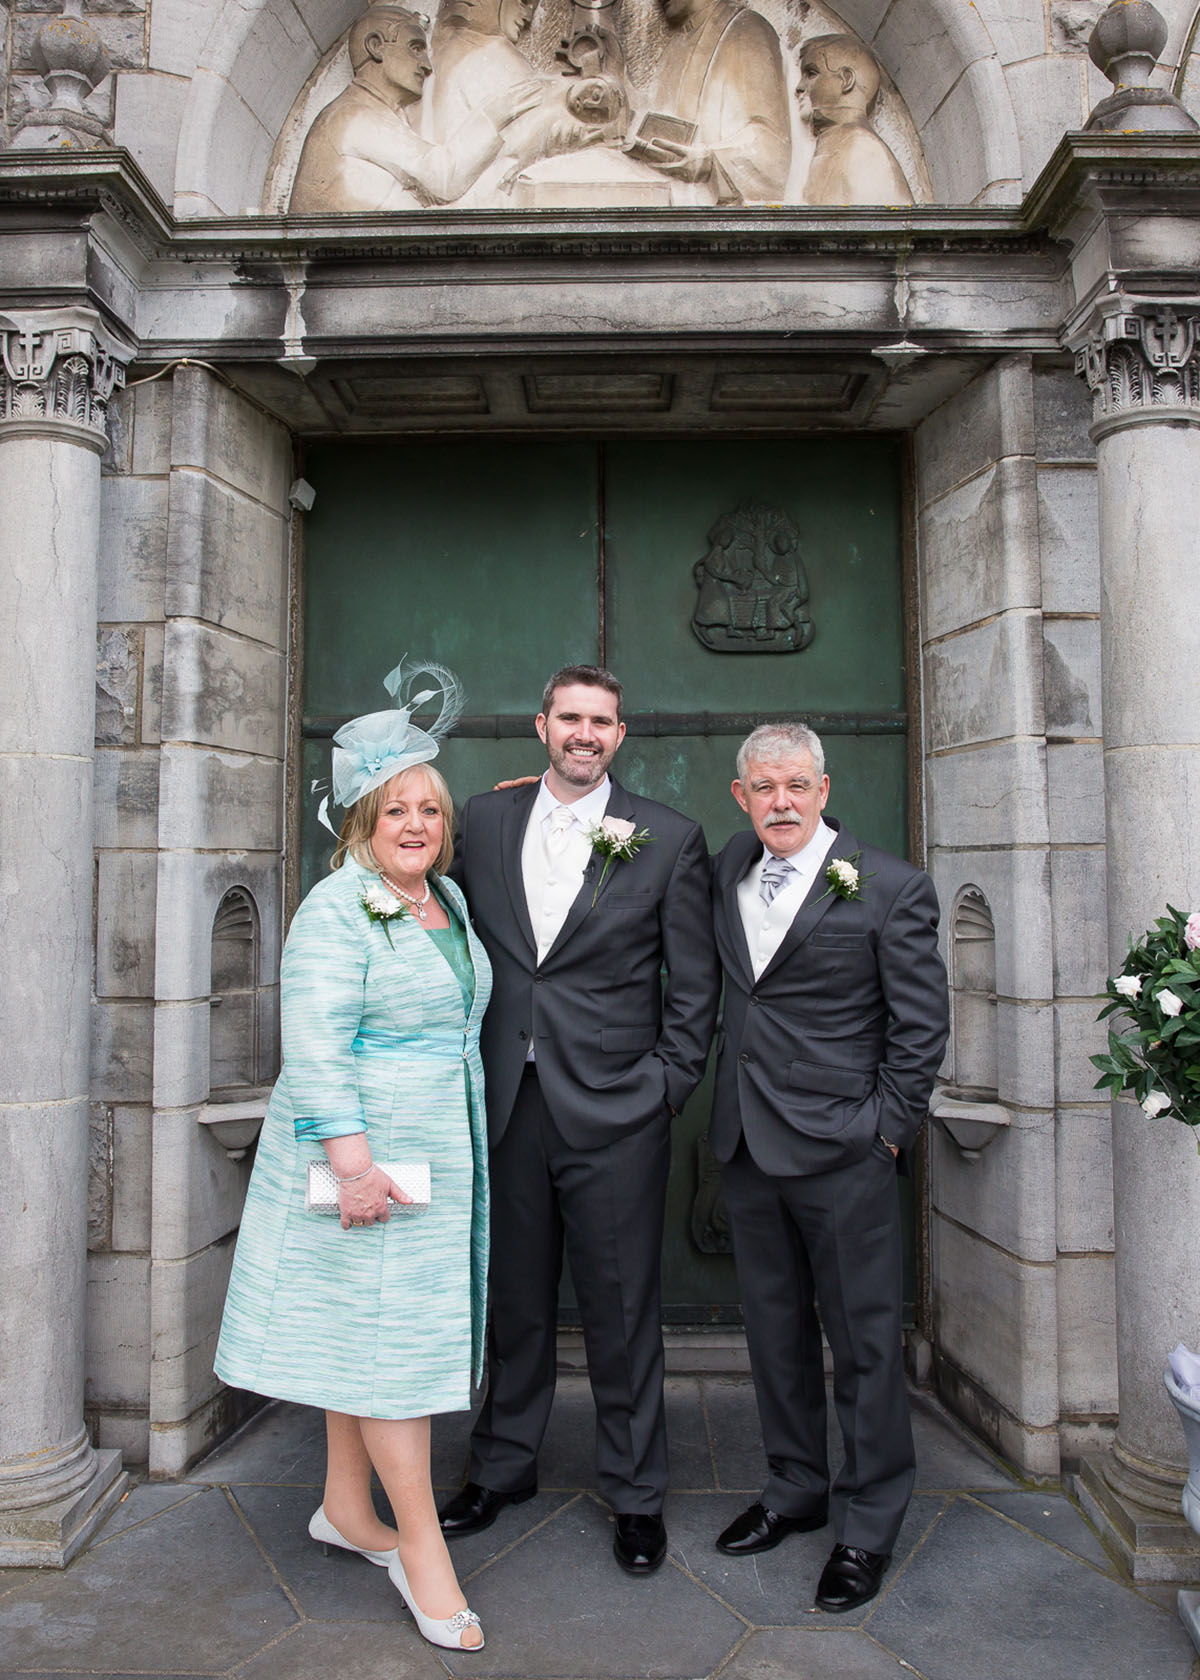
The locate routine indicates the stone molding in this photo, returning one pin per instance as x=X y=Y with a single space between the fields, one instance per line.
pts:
x=1142 y=364
x=58 y=370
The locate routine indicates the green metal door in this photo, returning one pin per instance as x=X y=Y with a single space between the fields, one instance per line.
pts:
x=505 y=560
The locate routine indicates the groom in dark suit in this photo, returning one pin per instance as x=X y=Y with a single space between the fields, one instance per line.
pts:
x=836 y=1017
x=587 y=1055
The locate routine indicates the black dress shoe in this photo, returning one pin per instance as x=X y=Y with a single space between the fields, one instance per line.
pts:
x=850 y=1578
x=760 y=1528
x=474 y=1507
x=640 y=1544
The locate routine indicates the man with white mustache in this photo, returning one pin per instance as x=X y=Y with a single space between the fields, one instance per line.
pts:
x=582 y=894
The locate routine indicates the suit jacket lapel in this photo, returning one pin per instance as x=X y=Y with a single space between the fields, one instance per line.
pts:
x=737 y=861
x=513 y=824
x=817 y=901
x=619 y=805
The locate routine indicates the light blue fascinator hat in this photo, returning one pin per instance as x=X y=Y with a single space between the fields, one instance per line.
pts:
x=368 y=751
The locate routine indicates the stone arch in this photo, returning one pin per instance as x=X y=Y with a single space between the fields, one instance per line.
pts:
x=260 y=53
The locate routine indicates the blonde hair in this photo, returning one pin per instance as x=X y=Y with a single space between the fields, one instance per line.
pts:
x=362 y=819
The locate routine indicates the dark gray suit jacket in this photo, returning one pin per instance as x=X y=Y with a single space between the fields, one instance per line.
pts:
x=841 y=1036
x=615 y=1044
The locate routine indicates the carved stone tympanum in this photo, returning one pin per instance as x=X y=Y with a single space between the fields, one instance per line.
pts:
x=752 y=584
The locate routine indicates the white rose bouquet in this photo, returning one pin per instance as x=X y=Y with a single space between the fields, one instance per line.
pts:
x=1155 y=1052
x=615 y=838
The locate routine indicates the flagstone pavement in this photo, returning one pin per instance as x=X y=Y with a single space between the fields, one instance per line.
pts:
x=215 y=1575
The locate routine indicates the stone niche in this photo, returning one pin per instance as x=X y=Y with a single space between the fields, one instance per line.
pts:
x=636 y=103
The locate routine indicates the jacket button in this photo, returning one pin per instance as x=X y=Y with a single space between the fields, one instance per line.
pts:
x=743 y=1057
x=537 y=979
x=522 y=1035
x=754 y=1003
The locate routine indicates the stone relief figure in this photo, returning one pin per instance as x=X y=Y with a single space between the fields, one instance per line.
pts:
x=752 y=583
x=839 y=82
x=476 y=51
x=720 y=121
x=362 y=153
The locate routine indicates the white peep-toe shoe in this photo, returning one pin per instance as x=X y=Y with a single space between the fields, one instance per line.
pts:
x=320 y=1528
x=449 y=1631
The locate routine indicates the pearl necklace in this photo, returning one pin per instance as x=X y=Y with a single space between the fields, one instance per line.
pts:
x=418 y=904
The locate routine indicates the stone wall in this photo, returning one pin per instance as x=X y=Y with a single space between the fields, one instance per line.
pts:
x=191 y=702
x=1021 y=1228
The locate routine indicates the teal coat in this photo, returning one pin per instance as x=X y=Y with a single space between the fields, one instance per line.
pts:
x=385 y=1321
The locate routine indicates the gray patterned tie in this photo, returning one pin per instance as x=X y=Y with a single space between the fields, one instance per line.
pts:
x=774 y=878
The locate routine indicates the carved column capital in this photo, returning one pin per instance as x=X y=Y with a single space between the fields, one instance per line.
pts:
x=1142 y=363
x=58 y=370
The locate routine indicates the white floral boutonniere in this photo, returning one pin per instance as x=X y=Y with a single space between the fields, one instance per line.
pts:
x=616 y=839
x=844 y=878
x=382 y=907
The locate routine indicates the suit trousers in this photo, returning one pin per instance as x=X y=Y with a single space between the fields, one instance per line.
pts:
x=830 y=1240
x=607 y=1205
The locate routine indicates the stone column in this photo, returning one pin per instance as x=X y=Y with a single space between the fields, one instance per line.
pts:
x=57 y=372
x=1142 y=362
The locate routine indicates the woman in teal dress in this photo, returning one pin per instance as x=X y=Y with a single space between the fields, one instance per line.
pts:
x=376 y=1316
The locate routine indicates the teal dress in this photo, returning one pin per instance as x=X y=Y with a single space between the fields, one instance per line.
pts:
x=383 y=1032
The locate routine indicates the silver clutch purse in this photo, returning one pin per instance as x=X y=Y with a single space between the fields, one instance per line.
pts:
x=321 y=1185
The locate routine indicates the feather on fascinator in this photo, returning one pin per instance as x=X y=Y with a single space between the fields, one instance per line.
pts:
x=368 y=751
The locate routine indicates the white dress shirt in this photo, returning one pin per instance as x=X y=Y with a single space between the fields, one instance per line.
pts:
x=552 y=883
x=766 y=924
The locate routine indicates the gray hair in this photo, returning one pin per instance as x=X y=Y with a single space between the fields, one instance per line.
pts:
x=773 y=743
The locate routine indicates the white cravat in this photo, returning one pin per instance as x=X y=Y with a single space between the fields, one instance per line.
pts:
x=554 y=855
x=766 y=924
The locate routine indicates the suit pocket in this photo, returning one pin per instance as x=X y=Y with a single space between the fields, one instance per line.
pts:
x=838 y=941
x=829 y=1081
x=628 y=1040
x=626 y=901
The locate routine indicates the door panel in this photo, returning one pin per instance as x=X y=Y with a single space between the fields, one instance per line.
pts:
x=505 y=560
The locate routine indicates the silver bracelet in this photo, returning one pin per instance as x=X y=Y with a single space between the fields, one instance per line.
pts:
x=354 y=1177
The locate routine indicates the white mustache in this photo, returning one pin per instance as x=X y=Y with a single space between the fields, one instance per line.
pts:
x=777 y=817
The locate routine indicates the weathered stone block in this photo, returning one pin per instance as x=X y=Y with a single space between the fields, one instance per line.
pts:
x=221 y=690
x=1007 y=1195
x=941 y=44
x=178 y=31
x=990 y=419
x=1078 y=1035
x=147 y=118
x=1071 y=666
x=118 y=683
x=198 y=1190
x=1018 y=27
x=1083 y=1176
x=227 y=559
x=998 y=1320
x=189 y=1295
x=1025 y=1034
x=1016 y=885
x=1087 y=1336
x=1048 y=94
x=128 y=1433
x=1075 y=781
x=979 y=549
x=133 y=535
x=985 y=683
x=1062 y=407
x=973 y=161
x=125 y=899
x=99 y=1196
x=1077 y=886
x=280 y=36
x=215 y=431
x=181 y=1054
x=154 y=404
x=153 y=646
x=118 y=1330
x=133 y=1155
x=122 y=1051
x=126 y=796
x=988 y=796
x=220 y=801
x=191 y=886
